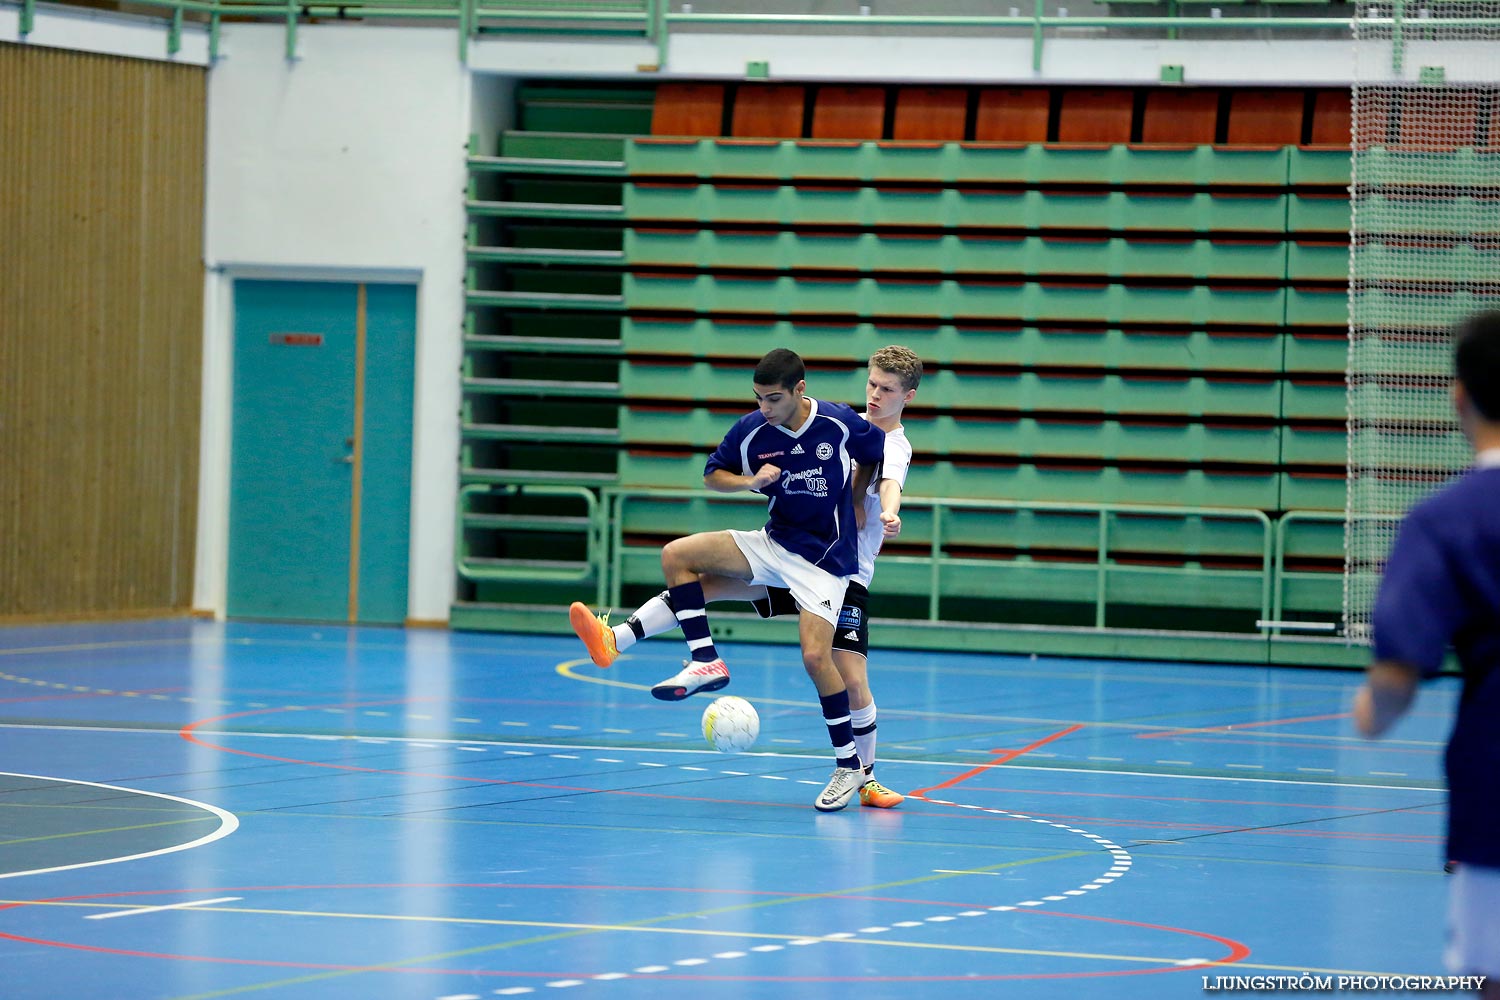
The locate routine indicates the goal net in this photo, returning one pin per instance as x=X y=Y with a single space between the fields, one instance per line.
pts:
x=1425 y=251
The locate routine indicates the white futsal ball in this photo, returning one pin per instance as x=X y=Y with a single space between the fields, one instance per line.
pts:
x=730 y=724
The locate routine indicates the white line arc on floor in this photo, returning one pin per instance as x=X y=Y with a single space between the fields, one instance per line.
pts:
x=133 y=911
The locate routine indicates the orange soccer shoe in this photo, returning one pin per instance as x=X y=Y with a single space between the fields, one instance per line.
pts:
x=873 y=793
x=595 y=632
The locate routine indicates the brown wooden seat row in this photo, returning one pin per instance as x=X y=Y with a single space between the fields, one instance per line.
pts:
x=1079 y=115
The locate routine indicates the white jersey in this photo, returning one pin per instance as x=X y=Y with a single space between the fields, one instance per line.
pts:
x=893 y=465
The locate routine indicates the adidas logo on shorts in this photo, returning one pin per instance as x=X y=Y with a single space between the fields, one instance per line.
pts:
x=851 y=635
x=825 y=604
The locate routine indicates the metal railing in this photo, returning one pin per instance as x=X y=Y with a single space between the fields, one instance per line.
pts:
x=480 y=569
x=604 y=520
x=654 y=20
x=938 y=563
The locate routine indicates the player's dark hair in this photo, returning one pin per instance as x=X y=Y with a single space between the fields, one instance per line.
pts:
x=780 y=367
x=1476 y=361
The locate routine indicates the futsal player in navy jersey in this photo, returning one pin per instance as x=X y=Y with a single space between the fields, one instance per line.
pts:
x=800 y=453
x=891 y=382
x=1442 y=586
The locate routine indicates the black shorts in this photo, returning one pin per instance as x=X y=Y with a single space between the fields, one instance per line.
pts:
x=853 y=630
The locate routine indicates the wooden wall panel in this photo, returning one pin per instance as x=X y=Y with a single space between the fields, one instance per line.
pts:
x=101 y=320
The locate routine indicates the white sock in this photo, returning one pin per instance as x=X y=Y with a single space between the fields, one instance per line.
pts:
x=863 y=722
x=654 y=617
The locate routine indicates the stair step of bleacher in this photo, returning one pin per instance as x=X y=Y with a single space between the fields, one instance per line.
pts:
x=564 y=147
x=540 y=164
x=544 y=210
x=541 y=387
x=533 y=522
x=471 y=474
x=543 y=255
x=540 y=432
x=547 y=300
x=536 y=569
x=543 y=345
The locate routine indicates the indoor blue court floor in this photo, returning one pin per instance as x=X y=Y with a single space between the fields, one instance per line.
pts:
x=193 y=810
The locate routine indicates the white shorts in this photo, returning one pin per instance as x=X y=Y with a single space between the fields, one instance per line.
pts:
x=815 y=590
x=1474 y=922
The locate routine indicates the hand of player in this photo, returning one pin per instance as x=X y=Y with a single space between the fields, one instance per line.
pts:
x=765 y=476
x=890 y=524
x=1365 y=722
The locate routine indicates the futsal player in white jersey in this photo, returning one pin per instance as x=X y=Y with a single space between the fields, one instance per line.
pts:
x=894 y=374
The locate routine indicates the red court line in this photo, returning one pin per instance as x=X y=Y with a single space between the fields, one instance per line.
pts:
x=1002 y=756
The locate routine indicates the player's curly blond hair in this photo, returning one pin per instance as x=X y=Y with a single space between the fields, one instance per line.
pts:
x=902 y=361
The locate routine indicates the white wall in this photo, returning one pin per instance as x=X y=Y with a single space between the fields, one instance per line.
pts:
x=348 y=164
x=887 y=59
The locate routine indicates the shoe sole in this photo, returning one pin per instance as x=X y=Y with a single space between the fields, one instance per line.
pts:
x=587 y=626
x=676 y=692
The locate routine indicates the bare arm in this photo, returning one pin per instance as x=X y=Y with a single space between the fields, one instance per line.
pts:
x=724 y=481
x=890 y=507
x=1389 y=690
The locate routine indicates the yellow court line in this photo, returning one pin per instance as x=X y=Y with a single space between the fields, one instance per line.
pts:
x=86 y=646
x=112 y=829
x=566 y=669
x=92 y=806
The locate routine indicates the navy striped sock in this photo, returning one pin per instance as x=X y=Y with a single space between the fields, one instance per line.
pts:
x=687 y=603
x=840 y=731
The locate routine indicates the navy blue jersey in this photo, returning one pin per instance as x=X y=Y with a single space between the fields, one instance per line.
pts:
x=1441 y=586
x=812 y=505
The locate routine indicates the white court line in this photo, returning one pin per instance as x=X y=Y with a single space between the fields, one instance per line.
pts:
x=929 y=762
x=1436 y=745
x=228 y=823
x=157 y=909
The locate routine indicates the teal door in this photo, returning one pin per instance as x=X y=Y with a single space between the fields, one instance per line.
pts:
x=320 y=463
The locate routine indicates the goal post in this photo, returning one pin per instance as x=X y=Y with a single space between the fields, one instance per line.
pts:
x=1424 y=252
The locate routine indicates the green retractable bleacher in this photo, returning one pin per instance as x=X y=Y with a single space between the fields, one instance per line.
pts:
x=1127 y=298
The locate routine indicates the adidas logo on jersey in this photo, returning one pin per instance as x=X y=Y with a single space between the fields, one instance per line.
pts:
x=797 y=450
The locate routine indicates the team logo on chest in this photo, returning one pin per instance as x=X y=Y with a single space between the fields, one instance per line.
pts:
x=825 y=451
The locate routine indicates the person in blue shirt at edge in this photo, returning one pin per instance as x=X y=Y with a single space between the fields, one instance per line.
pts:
x=894 y=372
x=800 y=453
x=1442 y=585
